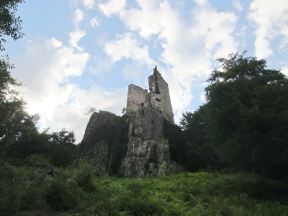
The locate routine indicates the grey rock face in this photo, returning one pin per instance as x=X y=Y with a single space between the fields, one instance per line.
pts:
x=147 y=150
x=132 y=146
x=103 y=132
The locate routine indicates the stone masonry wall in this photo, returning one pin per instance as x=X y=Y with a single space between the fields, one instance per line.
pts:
x=158 y=97
x=136 y=98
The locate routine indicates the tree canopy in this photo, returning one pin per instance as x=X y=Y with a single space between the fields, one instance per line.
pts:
x=245 y=119
x=10 y=23
x=13 y=116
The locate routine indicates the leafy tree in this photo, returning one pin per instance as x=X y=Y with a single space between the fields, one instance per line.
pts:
x=62 y=149
x=177 y=142
x=10 y=24
x=246 y=118
x=244 y=124
x=11 y=107
x=24 y=138
x=19 y=137
x=199 y=154
x=62 y=137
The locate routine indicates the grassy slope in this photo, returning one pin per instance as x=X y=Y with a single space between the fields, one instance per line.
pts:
x=197 y=194
x=77 y=192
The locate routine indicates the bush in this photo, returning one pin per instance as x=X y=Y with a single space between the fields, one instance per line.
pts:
x=140 y=206
x=10 y=191
x=84 y=178
x=32 y=198
x=59 y=197
x=36 y=161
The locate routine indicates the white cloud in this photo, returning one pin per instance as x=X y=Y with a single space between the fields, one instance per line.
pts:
x=285 y=70
x=203 y=98
x=218 y=31
x=55 y=43
x=94 y=22
x=127 y=47
x=112 y=7
x=201 y=2
x=78 y=17
x=189 y=46
x=271 y=19
x=89 y=4
x=75 y=37
x=77 y=34
x=237 y=5
x=51 y=61
x=133 y=71
x=75 y=114
x=44 y=70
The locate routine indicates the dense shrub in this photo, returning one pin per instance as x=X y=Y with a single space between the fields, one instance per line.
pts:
x=84 y=177
x=25 y=191
x=10 y=191
x=37 y=161
x=140 y=206
x=177 y=141
x=32 y=198
x=59 y=196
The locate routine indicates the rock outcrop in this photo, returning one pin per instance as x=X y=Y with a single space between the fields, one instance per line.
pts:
x=147 y=150
x=131 y=145
x=135 y=144
x=105 y=141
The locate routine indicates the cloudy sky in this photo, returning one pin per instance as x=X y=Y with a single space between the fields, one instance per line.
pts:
x=78 y=54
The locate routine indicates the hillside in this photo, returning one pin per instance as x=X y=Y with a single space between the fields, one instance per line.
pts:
x=80 y=192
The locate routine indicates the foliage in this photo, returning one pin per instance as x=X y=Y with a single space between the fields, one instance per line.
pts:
x=28 y=143
x=199 y=153
x=62 y=148
x=59 y=197
x=245 y=119
x=13 y=117
x=10 y=24
x=9 y=191
x=84 y=177
x=177 y=143
x=187 y=143
x=36 y=160
x=199 y=193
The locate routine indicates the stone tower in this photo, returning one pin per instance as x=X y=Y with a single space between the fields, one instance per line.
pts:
x=158 y=96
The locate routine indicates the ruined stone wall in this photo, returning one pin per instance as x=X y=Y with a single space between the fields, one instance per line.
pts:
x=136 y=98
x=160 y=96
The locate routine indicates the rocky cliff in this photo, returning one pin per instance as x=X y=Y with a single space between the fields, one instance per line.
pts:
x=147 y=150
x=131 y=145
x=105 y=141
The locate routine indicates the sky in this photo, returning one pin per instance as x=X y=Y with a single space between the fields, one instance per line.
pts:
x=82 y=54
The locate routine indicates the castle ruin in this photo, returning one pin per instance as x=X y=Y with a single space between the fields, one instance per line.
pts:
x=142 y=148
x=158 y=96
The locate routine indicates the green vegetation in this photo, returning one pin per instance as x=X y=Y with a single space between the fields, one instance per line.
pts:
x=243 y=125
x=242 y=128
x=78 y=191
x=10 y=24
